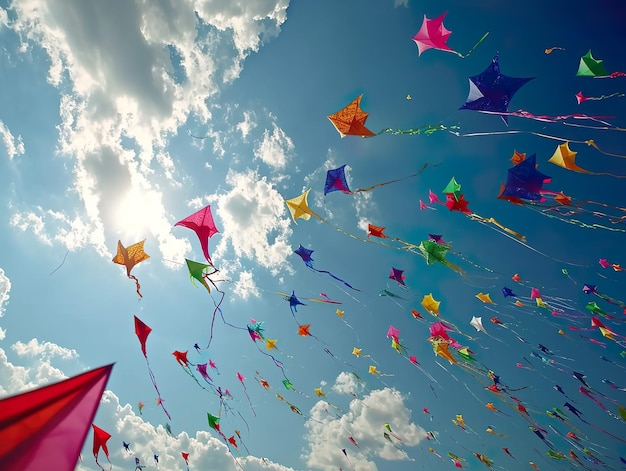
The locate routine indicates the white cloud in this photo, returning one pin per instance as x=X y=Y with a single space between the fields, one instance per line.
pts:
x=13 y=145
x=5 y=288
x=206 y=451
x=347 y=383
x=249 y=22
x=4 y=17
x=45 y=350
x=254 y=220
x=130 y=74
x=245 y=285
x=274 y=148
x=39 y=371
x=365 y=421
x=247 y=125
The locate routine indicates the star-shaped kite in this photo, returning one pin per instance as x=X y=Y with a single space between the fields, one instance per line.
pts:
x=350 y=121
x=129 y=257
x=491 y=91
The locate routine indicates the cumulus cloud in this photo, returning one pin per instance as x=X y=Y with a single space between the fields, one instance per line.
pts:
x=365 y=422
x=5 y=288
x=45 y=350
x=13 y=145
x=206 y=451
x=254 y=220
x=274 y=148
x=38 y=370
x=247 y=125
x=245 y=285
x=129 y=75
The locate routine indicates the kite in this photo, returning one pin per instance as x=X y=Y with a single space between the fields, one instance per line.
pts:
x=201 y=222
x=214 y=423
x=376 y=372
x=431 y=304
x=485 y=298
x=615 y=266
x=524 y=187
x=484 y=459
x=201 y=272
x=46 y=427
x=140 y=406
x=592 y=289
x=241 y=379
x=305 y=255
x=142 y=331
x=434 y=35
x=436 y=252
x=455 y=201
x=397 y=276
x=294 y=301
x=100 y=438
x=566 y=158
x=580 y=98
x=491 y=91
x=592 y=67
x=126 y=446
x=350 y=121
x=550 y=50
x=525 y=181
x=129 y=257
x=336 y=181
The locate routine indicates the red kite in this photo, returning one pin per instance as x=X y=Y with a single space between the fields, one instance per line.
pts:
x=45 y=428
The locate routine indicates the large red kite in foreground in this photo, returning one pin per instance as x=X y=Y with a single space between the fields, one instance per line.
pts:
x=45 y=428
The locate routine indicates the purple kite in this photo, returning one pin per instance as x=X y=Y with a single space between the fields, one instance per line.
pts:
x=305 y=254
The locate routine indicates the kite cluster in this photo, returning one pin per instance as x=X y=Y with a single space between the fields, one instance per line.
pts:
x=463 y=347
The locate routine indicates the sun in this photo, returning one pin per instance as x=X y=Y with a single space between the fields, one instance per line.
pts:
x=138 y=213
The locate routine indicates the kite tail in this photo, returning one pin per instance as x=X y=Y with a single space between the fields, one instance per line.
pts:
x=604 y=97
x=134 y=278
x=481 y=219
x=377 y=185
x=454 y=267
x=100 y=466
x=279 y=364
x=335 y=277
x=156 y=388
x=463 y=56
x=249 y=401
x=427 y=129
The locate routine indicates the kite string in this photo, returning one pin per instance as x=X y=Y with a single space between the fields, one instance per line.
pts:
x=463 y=56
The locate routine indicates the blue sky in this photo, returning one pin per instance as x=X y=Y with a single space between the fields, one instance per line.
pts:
x=99 y=105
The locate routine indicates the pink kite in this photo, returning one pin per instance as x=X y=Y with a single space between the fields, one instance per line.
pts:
x=434 y=35
x=201 y=222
